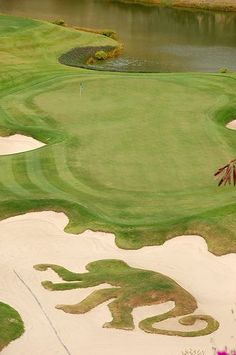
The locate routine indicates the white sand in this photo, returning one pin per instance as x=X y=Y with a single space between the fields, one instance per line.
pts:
x=231 y=125
x=18 y=143
x=39 y=238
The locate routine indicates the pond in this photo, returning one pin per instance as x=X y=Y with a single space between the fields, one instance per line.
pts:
x=156 y=39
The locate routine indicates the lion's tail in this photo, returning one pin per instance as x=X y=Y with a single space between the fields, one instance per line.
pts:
x=211 y=326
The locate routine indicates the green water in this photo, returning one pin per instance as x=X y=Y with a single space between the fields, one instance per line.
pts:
x=156 y=39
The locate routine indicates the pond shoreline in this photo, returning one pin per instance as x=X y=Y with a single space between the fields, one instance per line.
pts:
x=213 y=5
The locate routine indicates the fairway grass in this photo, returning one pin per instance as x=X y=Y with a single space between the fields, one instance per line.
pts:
x=132 y=154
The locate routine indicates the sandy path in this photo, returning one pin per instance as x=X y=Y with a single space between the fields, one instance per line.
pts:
x=18 y=143
x=39 y=237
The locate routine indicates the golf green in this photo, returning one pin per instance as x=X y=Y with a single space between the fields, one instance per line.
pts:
x=132 y=154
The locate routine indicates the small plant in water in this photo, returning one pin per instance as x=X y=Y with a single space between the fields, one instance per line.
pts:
x=101 y=55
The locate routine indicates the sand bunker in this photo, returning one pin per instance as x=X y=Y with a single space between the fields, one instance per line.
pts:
x=231 y=124
x=39 y=238
x=18 y=143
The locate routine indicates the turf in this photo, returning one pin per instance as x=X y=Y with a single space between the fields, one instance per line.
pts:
x=131 y=288
x=132 y=154
x=11 y=325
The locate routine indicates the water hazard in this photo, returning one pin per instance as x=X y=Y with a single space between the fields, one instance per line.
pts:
x=156 y=39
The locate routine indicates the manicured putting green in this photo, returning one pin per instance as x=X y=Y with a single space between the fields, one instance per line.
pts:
x=142 y=135
x=132 y=154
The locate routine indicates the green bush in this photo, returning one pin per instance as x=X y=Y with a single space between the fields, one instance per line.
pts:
x=59 y=22
x=224 y=70
x=109 y=33
x=101 y=55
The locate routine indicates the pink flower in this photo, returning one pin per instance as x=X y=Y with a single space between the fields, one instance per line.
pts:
x=223 y=353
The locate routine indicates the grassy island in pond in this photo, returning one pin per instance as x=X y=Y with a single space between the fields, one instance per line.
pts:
x=132 y=154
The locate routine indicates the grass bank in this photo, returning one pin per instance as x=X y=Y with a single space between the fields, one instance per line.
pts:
x=217 y=5
x=133 y=154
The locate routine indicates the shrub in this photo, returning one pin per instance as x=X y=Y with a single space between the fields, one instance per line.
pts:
x=109 y=33
x=166 y=3
x=101 y=55
x=59 y=22
x=224 y=70
x=91 y=61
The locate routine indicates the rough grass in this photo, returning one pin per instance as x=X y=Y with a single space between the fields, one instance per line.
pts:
x=11 y=325
x=131 y=288
x=132 y=154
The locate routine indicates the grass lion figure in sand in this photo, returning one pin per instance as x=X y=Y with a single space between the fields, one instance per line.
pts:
x=131 y=288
